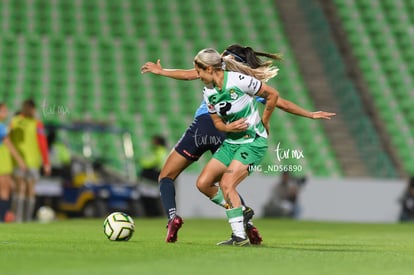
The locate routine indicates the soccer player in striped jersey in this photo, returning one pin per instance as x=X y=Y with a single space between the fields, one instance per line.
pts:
x=230 y=89
x=7 y=151
x=28 y=136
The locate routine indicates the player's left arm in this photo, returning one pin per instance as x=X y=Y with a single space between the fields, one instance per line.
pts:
x=239 y=125
x=292 y=108
x=271 y=95
x=43 y=146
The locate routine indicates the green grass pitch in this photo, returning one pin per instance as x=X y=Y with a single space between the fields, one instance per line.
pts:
x=290 y=247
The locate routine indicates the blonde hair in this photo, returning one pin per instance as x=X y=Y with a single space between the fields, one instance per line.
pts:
x=210 y=57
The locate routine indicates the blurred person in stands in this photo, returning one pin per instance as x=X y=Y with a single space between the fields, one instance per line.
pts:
x=28 y=135
x=7 y=151
x=60 y=156
x=407 y=202
x=284 y=199
x=151 y=167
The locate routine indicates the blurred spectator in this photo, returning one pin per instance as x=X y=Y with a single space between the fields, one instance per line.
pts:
x=151 y=167
x=60 y=156
x=7 y=151
x=407 y=202
x=28 y=136
x=284 y=199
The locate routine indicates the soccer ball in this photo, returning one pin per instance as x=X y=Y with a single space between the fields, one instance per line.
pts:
x=119 y=226
x=45 y=214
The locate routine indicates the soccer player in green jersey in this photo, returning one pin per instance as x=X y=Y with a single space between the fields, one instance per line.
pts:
x=230 y=88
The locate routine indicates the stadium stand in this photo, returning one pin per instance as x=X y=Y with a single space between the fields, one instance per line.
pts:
x=351 y=106
x=382 y=36
x=85 y=55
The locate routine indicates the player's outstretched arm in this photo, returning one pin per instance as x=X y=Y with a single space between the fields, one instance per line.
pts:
x=292 y=108
x=179 y=74
x=272 y=97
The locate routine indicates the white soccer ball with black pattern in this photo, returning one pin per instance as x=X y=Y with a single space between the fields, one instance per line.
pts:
x=119 y=226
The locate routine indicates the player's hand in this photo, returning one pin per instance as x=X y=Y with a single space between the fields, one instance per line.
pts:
x=47 y=169
x=22 y=166
x=240 y=125
x=322 y=115
x=152 y=67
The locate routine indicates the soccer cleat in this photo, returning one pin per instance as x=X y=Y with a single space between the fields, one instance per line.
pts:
x=251 y=230
x=247 y=215
x=236 y=241
x=253 y=234
x=172 y=229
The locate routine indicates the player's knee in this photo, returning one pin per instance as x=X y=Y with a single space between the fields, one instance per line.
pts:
x=202 y=181
x=202 y=184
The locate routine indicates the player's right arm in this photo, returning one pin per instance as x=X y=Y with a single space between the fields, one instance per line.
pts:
x=179 y=74
x=14 y=153
x=292 y=108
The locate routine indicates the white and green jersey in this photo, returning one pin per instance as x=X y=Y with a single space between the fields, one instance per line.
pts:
x=234 y=101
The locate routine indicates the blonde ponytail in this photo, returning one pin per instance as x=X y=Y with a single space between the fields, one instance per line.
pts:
x=263 y=73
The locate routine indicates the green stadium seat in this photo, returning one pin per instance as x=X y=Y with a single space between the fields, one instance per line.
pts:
x=350 y=103
x=388 y=36
x=92 y=24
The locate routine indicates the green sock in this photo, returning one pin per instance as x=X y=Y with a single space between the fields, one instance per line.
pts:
x=219 y=199
x=235 y=217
